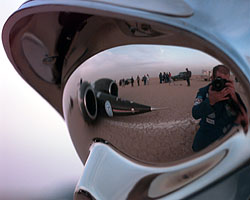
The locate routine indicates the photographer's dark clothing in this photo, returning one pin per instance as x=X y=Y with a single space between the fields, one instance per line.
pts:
x=216 y=121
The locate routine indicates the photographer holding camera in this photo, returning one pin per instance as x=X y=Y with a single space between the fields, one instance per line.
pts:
x=219 y=107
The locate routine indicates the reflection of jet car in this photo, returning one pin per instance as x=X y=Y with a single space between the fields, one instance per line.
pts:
x=49 y=57
x=180 y=76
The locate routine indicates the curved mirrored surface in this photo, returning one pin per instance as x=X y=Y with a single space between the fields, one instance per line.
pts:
x=141 y=99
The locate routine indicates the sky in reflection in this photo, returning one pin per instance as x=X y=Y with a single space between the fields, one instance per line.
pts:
x=133 y=60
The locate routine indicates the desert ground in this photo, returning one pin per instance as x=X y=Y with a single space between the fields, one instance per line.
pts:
x=163 y=135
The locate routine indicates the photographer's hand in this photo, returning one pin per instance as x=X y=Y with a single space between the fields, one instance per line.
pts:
x=215 y=96
x=231 y=90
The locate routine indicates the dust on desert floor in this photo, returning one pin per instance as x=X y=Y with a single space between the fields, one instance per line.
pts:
x=164 y=135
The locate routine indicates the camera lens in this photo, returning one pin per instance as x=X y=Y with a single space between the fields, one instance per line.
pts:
x=218 y=84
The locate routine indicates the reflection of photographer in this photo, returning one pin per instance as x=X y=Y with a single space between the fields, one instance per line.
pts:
x=219 y=107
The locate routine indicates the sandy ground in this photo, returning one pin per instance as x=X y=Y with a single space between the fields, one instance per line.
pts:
x=160 y=136
x=157 y=137
x=163 y=135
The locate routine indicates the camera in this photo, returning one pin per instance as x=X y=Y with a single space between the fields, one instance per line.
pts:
x=218 y=84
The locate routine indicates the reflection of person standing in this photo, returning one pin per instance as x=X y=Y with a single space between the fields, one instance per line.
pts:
x=138 y=80
x=218 y=110
x=132 y=81
x=169 y=76
x=147 y=79
x=144 y=79
x=188 y=76
x=164 y=77
x=160 y=77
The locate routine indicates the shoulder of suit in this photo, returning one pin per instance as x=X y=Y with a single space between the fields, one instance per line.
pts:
x=205 y=89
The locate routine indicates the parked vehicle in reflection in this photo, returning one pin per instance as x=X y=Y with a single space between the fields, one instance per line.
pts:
x=180 y=76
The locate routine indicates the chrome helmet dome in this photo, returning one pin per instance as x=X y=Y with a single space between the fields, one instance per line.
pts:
x=119 y=132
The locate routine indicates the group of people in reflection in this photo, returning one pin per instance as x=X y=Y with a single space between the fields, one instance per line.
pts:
x=165 y=77
x=145 y=79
